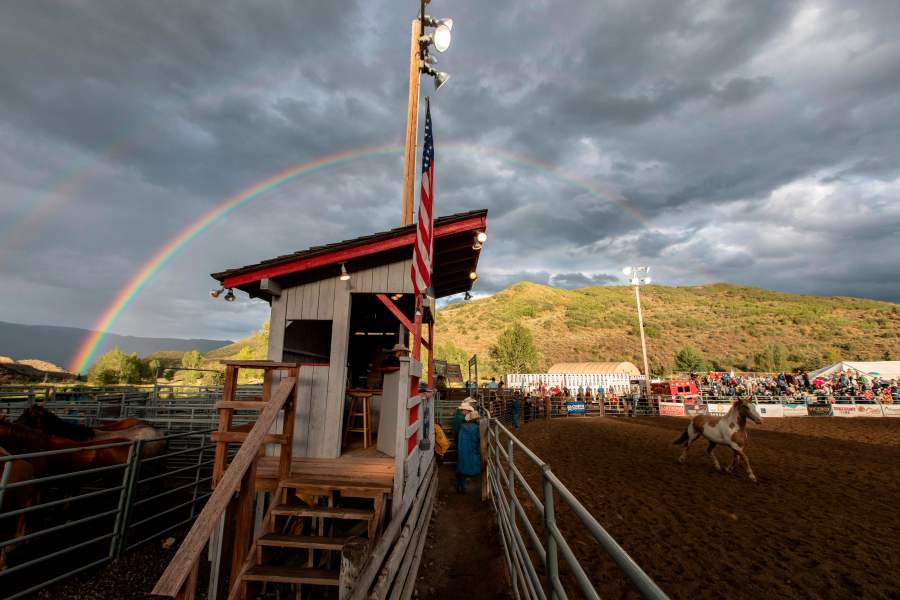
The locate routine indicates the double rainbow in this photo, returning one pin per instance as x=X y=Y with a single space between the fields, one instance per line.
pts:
x=86 y=352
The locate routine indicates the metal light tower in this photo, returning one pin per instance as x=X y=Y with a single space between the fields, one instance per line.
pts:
x=638 y=277
x=420 y=62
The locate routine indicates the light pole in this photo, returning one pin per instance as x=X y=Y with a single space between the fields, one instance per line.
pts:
x=420 y=62
x=638 y=277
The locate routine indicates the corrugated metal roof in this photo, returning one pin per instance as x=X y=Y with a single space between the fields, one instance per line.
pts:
x=595 y=368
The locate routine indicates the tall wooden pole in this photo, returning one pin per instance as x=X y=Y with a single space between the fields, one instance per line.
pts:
x=637 y=297
x=412 y=124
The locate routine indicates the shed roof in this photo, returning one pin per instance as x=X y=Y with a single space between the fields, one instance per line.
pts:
x=454 y=257
x=595 y=368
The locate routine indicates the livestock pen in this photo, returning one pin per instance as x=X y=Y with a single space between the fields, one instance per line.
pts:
x=58 y=522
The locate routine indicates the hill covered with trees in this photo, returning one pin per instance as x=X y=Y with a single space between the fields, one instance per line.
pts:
x=719 y=326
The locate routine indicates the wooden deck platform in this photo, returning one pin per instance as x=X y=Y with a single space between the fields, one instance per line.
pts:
x=365 y=472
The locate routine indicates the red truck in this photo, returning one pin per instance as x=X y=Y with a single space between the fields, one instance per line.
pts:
x=676 y=390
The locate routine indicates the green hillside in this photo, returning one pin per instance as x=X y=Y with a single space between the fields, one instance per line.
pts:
x=733 y=326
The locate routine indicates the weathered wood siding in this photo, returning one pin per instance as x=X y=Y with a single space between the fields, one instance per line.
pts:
x=320 y=411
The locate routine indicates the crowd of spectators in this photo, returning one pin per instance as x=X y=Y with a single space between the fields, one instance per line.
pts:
x=836 y=387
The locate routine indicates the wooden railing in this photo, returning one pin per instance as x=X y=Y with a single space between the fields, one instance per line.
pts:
x=180 y=578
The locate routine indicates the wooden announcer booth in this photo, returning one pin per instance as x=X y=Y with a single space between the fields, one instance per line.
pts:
x=330 y=488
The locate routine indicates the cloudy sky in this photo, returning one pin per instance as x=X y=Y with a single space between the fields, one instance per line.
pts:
x=752 y=142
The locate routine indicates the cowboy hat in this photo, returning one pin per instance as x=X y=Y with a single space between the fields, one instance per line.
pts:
x=398 y=347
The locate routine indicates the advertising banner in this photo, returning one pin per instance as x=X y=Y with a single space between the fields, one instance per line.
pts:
x=695 y=409
x=795 y=410
x=770 y=410
x=671 y=409
x=718 y=409
x=891 y=410
x=575 y=408
x=819 y=410
x=857 y=410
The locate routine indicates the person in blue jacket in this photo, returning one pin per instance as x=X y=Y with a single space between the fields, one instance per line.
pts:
x=468 y=448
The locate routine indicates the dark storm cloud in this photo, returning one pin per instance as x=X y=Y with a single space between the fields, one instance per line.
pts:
x=753 y=142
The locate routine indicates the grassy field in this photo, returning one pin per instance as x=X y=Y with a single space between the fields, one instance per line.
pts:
x=729 y=324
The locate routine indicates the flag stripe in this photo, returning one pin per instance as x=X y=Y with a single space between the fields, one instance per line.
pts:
x=420 y=272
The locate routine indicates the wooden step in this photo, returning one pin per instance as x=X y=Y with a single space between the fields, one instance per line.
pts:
x=328 y=512
x=240 y=436
x=294 y=575
x=284 y=540
x=241 y=404
x=324 y=485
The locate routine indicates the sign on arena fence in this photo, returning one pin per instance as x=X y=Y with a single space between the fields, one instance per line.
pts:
x=575 y=408
x=819 y=410
x=770 y=410
x=857 y=410
x=891 y=410
x=795 y=409
x=718 y=409
x=671 y=409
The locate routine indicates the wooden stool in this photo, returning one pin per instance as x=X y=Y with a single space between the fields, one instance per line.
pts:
x=364 y=411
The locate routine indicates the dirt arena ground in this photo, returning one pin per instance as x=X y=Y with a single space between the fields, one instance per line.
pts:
x=823 y=521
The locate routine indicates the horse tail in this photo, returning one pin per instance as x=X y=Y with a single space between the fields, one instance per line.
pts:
x=682 y=439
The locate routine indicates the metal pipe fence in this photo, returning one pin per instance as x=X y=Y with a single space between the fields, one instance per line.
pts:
x=77 y=520
x=541 y=562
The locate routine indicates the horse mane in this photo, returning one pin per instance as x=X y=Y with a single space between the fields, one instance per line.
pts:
x=52 y=424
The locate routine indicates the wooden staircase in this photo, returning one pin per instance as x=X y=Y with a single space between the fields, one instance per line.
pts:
x=312 y=556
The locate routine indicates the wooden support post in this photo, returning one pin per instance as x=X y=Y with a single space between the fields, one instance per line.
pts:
x=353 y=558
x=290 y=410
x=243 y=524
x=412 y=125
x=431 y=354
x=225 y=414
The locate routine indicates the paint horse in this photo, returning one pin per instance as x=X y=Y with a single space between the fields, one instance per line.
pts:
x=39 y=418
x=730 y=430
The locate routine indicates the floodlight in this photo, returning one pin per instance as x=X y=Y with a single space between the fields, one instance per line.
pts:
x=216 y=293
x=432 y=22
x=345 y=276
x=441 y=37
x=230 y=297
x=440 y=78
x=473 y=275
x=481 y=236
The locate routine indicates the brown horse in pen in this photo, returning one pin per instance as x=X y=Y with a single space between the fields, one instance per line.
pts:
x=40 y=418
x=14 y=499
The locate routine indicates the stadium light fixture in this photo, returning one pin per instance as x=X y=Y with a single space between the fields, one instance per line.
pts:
x=345 y=276
x=230 y=297
x=473 y=275
x=216 y=293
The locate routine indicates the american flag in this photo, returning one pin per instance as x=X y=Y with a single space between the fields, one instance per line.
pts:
x=424 y=250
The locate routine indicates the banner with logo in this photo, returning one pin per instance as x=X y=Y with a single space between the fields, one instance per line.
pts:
x=857 y=410
x=819 y=410
x=718 y=409
x=770 y=410
x=695 y=409
x=671 y=409
x=890 y=410
x=795 y=409
x=575 y=408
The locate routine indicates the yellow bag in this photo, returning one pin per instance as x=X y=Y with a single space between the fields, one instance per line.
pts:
x=441 y=443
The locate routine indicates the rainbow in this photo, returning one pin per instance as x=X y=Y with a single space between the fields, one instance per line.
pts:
x=88 y=348
x=84 y=356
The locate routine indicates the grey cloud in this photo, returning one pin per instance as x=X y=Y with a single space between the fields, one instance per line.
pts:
x=743 y=147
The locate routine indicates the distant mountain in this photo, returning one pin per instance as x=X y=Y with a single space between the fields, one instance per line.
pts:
x=59 y=344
